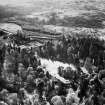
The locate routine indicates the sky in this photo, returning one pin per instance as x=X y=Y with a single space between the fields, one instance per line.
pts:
x=24 y=2
x=17 y=2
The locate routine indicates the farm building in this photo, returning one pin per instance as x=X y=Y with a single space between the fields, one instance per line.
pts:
x=10 y=28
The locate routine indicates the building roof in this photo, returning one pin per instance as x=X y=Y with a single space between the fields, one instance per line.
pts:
x=10 y=28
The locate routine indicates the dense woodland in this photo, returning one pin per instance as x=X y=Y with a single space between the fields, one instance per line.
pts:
x=24 y=82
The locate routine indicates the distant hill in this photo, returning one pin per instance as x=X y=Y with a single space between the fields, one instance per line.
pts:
x=72 y=13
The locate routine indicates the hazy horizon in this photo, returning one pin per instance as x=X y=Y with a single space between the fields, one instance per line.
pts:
x=86 y=9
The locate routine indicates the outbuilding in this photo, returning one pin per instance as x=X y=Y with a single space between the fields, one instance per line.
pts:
x=10 y=29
